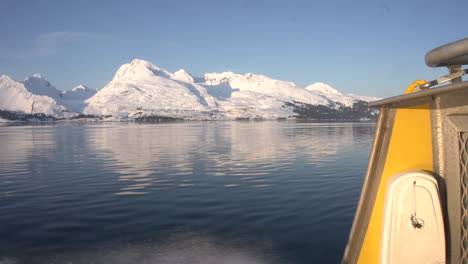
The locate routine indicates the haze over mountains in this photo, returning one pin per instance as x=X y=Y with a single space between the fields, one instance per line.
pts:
x=141 y=89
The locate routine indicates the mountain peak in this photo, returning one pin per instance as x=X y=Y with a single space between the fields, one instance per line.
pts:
x=183 y=75
x=81 y=87
x=322 y=88
x=36 y=76
x=4 y=77
x=37 y=84
x=249 y=81
x=224 y=77
x=143 y=63
x=33 y=95
x=138 y=67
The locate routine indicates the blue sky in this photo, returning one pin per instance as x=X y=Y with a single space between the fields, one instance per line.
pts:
x=365 y=47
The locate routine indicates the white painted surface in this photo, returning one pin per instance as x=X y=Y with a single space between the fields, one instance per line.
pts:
x=412 y=193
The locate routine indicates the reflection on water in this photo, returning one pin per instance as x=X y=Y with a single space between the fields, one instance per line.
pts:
x=169 y=156
x=295 y=185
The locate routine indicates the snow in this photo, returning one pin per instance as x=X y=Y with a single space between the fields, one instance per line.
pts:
x=365 y=98
x=322 y=88
x=183 y=75
x=140 y=68
x=74 y=99
x=249 y=81
x=336 y=96
x=118 y=97
x=285 y=91
x=80 y=92
x=30 y=96
x=36 y=84
x=141 y=88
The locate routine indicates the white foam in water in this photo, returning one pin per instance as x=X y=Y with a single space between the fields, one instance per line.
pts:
x=193 y=250
x=7 y=260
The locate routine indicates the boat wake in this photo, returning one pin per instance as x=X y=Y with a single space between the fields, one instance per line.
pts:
x=179 y=250
x=7 y=260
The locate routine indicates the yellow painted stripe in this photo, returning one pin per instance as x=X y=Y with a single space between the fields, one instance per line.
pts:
x=410 y=149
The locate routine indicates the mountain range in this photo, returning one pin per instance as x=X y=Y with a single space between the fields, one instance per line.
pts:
x=141 y=90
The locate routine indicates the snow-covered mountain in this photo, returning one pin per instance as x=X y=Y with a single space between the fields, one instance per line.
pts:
x=141 y=88
x=284 y=91
x=322 y=88
x=74 y=99
x=36 y=84
x=80 y=92
x=336 y=96
x=33 y=95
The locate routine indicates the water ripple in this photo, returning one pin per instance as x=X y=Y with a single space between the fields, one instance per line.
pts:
x=64 y=187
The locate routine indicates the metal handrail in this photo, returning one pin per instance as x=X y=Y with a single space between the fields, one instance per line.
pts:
x=454 y=53
x=420 y=94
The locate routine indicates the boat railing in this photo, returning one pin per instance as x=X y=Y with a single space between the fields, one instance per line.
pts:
x=451 y=54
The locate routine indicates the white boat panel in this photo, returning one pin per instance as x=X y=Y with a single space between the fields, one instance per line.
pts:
x=412 y=228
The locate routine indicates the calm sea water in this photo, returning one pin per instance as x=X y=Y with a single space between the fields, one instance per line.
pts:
x=196 y=192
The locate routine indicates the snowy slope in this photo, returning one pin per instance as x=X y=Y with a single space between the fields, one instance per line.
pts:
x=74 y=99
x=80 y=92
x=34 y=95
x=141 y=88
x=322 y=88
x=20 y=96
x=364 y=98
x=36 y=84
x=334 y=95
x=284 y=91
x=183 y=76
x=249 y=104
